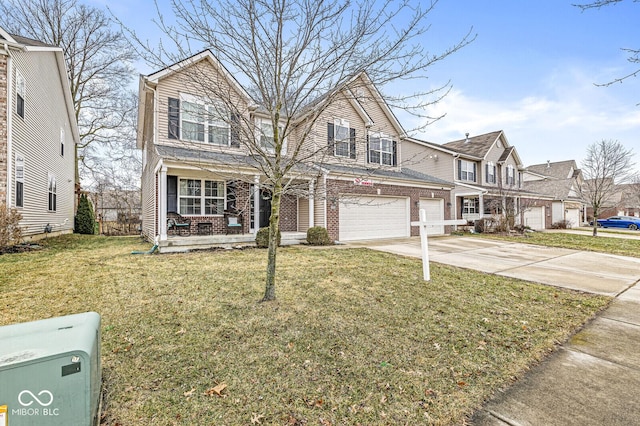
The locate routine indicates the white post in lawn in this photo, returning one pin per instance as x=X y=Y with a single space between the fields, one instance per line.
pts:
x=423 y=224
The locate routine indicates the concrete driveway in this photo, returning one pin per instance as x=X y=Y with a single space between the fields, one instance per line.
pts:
x=579 y=270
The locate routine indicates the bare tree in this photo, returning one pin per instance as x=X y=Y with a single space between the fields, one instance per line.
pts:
x=634 y=53
x=608 y=163
x=297 y=57
x=98 y=62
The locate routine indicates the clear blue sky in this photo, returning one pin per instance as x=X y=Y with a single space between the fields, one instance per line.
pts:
x=530 y=72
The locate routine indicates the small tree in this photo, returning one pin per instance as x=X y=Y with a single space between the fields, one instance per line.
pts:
x=607 y=164
x=85 y=221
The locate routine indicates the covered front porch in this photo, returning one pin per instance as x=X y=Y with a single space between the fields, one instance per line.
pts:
x=184 y=243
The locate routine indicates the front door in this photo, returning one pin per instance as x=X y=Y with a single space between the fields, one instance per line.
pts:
x=265 y=208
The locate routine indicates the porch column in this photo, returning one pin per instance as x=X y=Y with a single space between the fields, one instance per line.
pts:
x=312 y=186
x=256 y=204
x=162 y=202
x=481 y=205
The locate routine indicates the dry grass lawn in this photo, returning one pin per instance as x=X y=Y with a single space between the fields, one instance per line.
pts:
x=355 y=337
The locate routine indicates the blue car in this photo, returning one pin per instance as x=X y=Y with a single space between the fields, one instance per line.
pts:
x=629 y=222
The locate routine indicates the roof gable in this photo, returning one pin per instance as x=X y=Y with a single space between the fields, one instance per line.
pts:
x=476 y=146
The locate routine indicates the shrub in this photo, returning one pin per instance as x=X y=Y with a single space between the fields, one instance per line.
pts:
x=262 y=238
x=318 y=236
x=10 y=231
x=561 y=224
x=85 y=221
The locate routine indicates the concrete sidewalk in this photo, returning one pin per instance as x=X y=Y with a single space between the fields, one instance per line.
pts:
x=594 y=378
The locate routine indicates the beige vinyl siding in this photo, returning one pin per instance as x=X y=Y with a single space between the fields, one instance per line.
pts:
x=191 y=80
x=428 y=160
x=303 y=214
x=37 y=138
x=149 y=194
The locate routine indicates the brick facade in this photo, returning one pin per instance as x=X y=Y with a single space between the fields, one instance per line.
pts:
x=4 y=161
x=337 y=187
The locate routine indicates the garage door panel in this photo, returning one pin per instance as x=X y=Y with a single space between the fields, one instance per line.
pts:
x=373 y=217
x=534 y=218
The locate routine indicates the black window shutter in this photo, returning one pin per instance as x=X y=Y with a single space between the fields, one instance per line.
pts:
x=486 y=173
x=352 y=143
x=395 y=153
x=475 y=179
x=235 y=130
x=494 y=174
x=330 y=136
x=174 y=118
x=172 y=193
x=459 y=169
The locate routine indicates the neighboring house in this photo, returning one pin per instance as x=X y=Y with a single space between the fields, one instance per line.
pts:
x=353 y=184
x=623 y=201
x=117 y=210
x=562 y=183
x=487 y=173
x=38 y=133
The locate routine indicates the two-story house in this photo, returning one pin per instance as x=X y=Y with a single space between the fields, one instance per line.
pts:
x=487 y=172
x=38 y=133
x=560 y=182
x=204 y=158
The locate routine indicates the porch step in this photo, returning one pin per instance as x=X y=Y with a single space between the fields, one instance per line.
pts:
x=180 y=244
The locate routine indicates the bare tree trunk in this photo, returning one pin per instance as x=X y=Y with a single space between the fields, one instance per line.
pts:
x=595 y=225
x=274 y=229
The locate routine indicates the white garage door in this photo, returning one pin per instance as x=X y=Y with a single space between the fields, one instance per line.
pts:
x=435 y=212
x=573 y=217
x=534 y=218
x=367 y=218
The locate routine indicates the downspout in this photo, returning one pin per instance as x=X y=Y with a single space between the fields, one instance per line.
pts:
x=9 y=125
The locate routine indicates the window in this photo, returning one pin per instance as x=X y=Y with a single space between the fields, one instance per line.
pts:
x=381 y=150
x=52 y=193
x=342 y=139
x=196 y=121
x=342 y=142
x=466 y=170
x=191 y=197
x=20 y=93
x=19 y=165
x=62 y=141
x=511 y=176
x=491 y=173
x=265 y=136
x=470 y=205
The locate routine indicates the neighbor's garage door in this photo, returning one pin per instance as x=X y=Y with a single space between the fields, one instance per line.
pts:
x=534 y=218
x=435 y=212
x=573 y=217
x=366 y=218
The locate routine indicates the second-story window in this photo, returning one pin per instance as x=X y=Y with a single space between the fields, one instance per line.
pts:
x=381 y=150
x=21 y=93
x=491 y=172
x=511 y=176
x=341 y=139
x=193 y=119
x=466 y=170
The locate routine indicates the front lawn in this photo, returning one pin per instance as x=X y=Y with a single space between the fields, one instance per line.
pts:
x=355 y=337
x=602 y=243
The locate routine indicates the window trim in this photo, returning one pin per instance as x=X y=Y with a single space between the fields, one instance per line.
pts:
x=21 y=93
x=464 y=174
x=466 y=209
x=62 y=140
x=260 y=133
x=510 y=175
x=392 y=152
x=202 y=198
x=52 y=191
x=209 y=112
x=342 y=123
x=19 y=180
x=490 y=172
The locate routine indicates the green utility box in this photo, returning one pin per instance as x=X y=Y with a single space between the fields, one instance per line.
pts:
x=50 y=372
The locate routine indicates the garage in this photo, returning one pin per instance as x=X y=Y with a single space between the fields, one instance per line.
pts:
x=372 y=217
x=434 y=208
x=534 y=218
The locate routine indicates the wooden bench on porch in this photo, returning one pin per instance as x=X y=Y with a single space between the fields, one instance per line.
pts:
x=178 y=224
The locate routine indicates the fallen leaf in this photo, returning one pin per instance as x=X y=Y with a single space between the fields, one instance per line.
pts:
x=181 y=331
x=462 y=384
x=255 y=418
x=216 y=390
x=189 y=393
